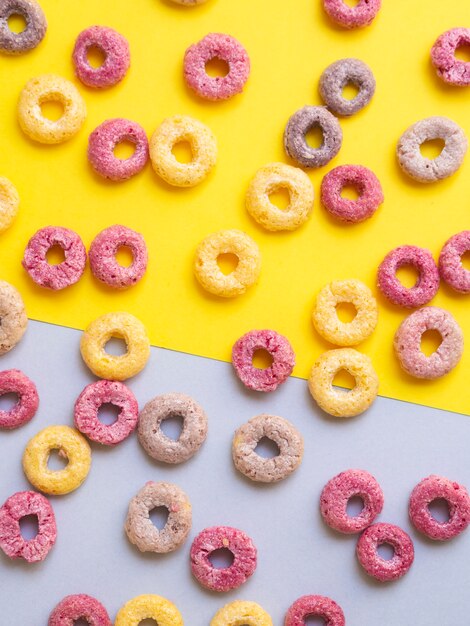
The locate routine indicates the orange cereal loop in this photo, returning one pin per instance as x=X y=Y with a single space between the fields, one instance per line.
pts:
x=149 y=606
x=9 y=203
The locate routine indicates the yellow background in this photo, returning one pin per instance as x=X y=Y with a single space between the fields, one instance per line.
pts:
x=289 y=43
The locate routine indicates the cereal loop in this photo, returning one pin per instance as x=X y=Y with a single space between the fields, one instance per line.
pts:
x=452 y=70
x=347 y=72
x=13 y=317
x=272 y=178
x=379 y=568
x=209 y=274
x=362 y=14
x=450 y=262
x=79 y=607
x=71 y=445
x=203 y=145
x=31 y=36
x=14 y=381
x=149 y=606
x=119 y=325
x=325 y=317
x=316 y=606
x=9 y=203
x=364 y=181
x=337 y=402
x=50 y=88
x=240 y=613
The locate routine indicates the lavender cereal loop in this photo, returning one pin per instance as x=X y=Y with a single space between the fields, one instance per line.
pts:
x=340 y=74
x=450 y=262
x=451 y=69
x=14 y=381
x=35 y=28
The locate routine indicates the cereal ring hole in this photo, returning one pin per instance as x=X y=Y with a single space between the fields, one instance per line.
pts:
x=266 y=448
x=16 y=23
x=222 y=558
x=52 y=108
x=262 y=359
x=149 y=621
x=57 y=460
x=217 y=68
x=350 y=192
x=314 y=620
x=352 y=3
x=227 y=262
x=430 y=341
x=81 y=622
x=280 y=197
x=408 y=275
x=116 y=346
x=386 y=551
x=314 y=137
x=354 y=506
x=8 y=401
x=159 y=516
x=124 y=256
x=346 y=312
x=440 y=511
x=344 y=381
x=55 y=255
x=462 y=52
x=172 y=426
x=29 y=527
x=95 y=56
x=465 y=260
x=432 y=148
x=350 y=91
x=183 y=151
x=124 y=149
x=108 y=413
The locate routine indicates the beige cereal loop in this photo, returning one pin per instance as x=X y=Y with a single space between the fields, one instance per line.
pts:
x=13 y=320
x=149 y=606
x=338 y=402
x=72 y=445
x=9 y=203
x=240 y=613
x=120 y=325
x=272 y=178
x=182 y=128
x=211 y=276
x=326 y=320
x=50 y=88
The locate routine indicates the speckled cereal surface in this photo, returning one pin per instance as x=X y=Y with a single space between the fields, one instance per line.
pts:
x=100 y=331
x=63 y=274
x=339 y=402
x=225 y=48
x=12 y=542
x=33 y=33
x=12 y=316
x=426 y=286
x=361 y=14
x=450 y=262
x=71 y=445
x=325 y=317
x=272 y=178
x=347 y=72
x=9 y=203
x=267 y=470
x=446 y=163
x=277 y=346
x=216 y=538
x=382 y=569
x=318 y=606
x=153 y=439
x=140 y=529
x=367 y=186
x=14 y=381
x=46 y=88
x=149 y=606
x=336 y=494
x=79 y=607
x=407 y=343
x=92 y=399
x=451 y=69
x=203 y=144
x=241 y=613
x=209 y=274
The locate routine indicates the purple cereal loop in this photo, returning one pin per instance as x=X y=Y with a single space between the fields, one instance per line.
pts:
x=79 y=607
x=457 y=498
x=352 y=17
x=338 y=491
x=340 y=74
x=103 y=262
x=407 y=343
x=104 y=139
x=216 y=46
x=450 y=262
x=428 y=281
x=377 y=567
x=452 y=70
x=364 y=181
x=64 y=274
x=12 y=541
x=308 y=606
x=116 y=52
x=31 y=36
x=87 y=407
x=216 y=538
x=14 y=381
x=277 y=346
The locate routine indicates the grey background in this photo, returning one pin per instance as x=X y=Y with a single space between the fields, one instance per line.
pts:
x=399 y=443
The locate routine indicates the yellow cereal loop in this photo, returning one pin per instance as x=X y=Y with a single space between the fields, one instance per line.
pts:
x=119 y=325
x=50 y=88
x=9 y=203
x=243 y=276
x=326 y=320
x=177 y=129
x=338 y=402
x=71 y=445
x=241 y=613
x=272 y=178
x=149 y=606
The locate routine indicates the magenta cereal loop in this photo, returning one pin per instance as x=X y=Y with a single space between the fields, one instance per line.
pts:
x=448 y=67
x=362 y=14
x=14 y=381
x=364 y=181
x=314 y=606
x=79 y=607
x=451 y=268
x=385 y=570
x=340 y=74
x=31 y=36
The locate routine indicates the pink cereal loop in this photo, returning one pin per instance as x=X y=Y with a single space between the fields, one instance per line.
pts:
x=364 y=181
x=451 y=69
x=450 y=262
x=14 y=381
x=382 y=569
x=352 y=17
x=320 y=606
x=78 y=607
